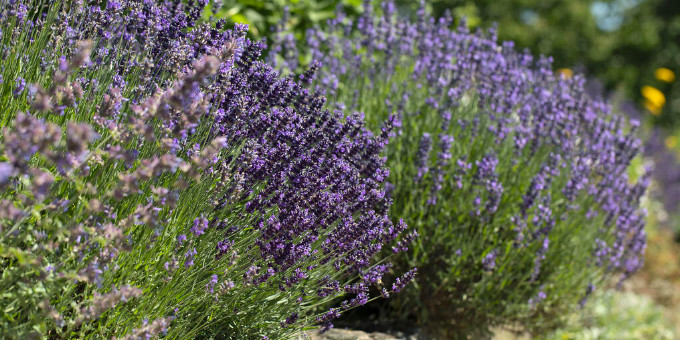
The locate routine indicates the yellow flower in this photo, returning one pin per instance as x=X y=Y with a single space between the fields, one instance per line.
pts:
x=671 y=142
x=566 y=73
x=653 y=95
x=664 y=74
x=655 y=110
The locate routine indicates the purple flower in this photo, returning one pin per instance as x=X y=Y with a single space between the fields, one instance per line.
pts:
x=199 y=227
x=181 y=239
x=423 y=156
x=190 y=257
x=486 y=176
x=489 y=260
x=19 y=86
x=6 y=171
x=402 y=281
x=210 y=286
x=290 y=320
x=443 y=159
x=540 y=296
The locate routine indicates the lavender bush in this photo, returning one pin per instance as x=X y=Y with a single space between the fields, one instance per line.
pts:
x=156 y=179
x=514 y=179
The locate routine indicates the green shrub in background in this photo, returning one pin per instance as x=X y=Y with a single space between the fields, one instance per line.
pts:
x=515 y=180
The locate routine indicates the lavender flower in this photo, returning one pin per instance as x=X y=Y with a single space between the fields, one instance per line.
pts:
x=19 y=86
x=486 y=177
x=200 y=225
x=489 y=260
x=190 y=256
x=423 y=156
x=210 y=286
x=402 y=281
x=443 y=159
x=540 y=296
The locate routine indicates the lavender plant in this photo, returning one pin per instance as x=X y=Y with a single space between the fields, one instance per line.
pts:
x=156 y=179
x=514 y=179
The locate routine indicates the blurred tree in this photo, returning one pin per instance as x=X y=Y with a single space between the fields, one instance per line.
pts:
x=665 y=58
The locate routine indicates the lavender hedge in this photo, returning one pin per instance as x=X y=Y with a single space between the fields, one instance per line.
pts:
x=515 y=180
x=157 y=179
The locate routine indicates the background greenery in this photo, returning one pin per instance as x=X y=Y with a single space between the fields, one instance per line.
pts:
x=264 y=15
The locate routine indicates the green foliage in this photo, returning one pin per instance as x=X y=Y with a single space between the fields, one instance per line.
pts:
x=264 y=15
x=618 y=315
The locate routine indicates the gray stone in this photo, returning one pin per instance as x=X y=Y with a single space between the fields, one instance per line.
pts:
x=346 y=334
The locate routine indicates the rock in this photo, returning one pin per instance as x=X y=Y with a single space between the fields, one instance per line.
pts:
x=346 y=334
